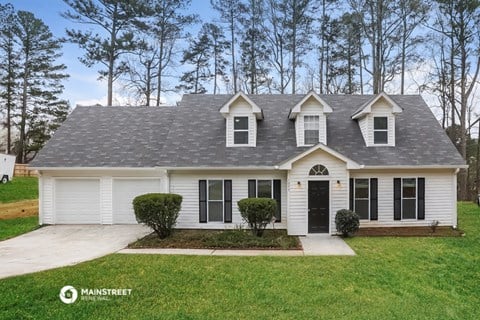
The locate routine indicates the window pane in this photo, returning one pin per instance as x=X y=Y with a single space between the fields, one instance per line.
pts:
x=409 y=208
x=361 y=208
x=380 y=137
x=240 y=123
x=380 y=123
x=240 y=137
x=215 y=190
x=409 y=188
x=311 y=136
x=264 y=188
x=215 y=211
x=361 y=188
x=311 y=122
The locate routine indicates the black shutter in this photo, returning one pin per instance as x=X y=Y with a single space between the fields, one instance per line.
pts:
x=202 y=187
x=277 y=195
x=397 y=199
x=351 y=194
x=227 y=202
x=252 y=188
x=421 y=198
x=373 y=199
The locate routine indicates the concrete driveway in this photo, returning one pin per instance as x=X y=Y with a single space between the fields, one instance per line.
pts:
x=63 y=245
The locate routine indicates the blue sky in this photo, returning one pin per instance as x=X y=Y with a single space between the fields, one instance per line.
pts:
x=83 y=87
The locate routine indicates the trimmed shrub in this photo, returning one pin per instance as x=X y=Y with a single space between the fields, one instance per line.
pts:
x=347 y=222
x=257 y=212
x=159 y=211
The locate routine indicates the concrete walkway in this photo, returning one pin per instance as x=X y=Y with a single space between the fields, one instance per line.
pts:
x=325 y=245
x=313 y=245
x=62 y=245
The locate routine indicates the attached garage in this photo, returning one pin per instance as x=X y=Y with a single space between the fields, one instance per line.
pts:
x=124 y=191
x=77 y=201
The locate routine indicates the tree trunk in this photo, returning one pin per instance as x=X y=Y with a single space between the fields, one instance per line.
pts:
x=234 y=67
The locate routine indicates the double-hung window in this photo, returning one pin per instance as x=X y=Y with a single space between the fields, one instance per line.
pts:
x=380 y=130
x=311 y=129
x=362 y=199
x=267 y=189
x=409 y=198
x=215 y=200
x=240 y=130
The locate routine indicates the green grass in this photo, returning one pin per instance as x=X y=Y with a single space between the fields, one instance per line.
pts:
x=390 y=278
x=13 y=227
x=21 y=188
x=232 y=239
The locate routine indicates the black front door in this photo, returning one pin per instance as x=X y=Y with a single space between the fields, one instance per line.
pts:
x=318 y=204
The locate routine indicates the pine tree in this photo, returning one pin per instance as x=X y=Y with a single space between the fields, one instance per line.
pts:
x=8 y=67
x=40 y=76
x=116 y=19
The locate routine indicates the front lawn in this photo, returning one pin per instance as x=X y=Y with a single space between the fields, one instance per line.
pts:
x=216 y=239
x=390 y=278
x=20 y=188
x=10 y=228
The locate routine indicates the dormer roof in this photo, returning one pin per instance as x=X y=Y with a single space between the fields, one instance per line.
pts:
x=366 y=108
x=297 y=108
x=256 y=110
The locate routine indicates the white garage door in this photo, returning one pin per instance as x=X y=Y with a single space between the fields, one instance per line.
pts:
x=124 y=191
x=77 y=201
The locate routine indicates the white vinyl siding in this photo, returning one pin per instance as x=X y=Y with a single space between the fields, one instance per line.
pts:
x=124 y=191
x=186 y=184
x=297 y=219
x=440 y=197
x=77 y=201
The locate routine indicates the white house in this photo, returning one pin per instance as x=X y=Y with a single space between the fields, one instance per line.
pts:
x=385 y=157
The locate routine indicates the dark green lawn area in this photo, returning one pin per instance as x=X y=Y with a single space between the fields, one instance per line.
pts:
x=13 y=227
x=20 y=188
x=390 y=278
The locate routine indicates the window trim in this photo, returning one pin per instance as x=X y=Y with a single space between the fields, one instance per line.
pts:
x=380 y=130
x=355 y=197
x=416 y=200
x=318 y=131
x=222 y=201
x=318 y=171
x=241 y=130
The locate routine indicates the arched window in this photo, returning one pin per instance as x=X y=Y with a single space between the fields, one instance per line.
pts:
x=318 y=170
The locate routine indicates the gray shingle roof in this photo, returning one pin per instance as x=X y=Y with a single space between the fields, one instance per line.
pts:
x=193 y=135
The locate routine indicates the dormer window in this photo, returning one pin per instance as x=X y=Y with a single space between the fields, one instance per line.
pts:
x=240 y=130
x=311 y=129
x=380 y=130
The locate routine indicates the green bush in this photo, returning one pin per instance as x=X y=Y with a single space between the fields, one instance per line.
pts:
x=159 y=211
x=257 y=212
x=347 y=222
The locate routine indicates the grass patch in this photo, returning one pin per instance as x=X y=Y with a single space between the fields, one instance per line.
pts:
x=220 y=239
x=20 y=188
x=13 y=227
x=390 y=278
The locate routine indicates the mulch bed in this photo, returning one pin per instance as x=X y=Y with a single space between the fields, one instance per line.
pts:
x=220 y=239
x=409 y=232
